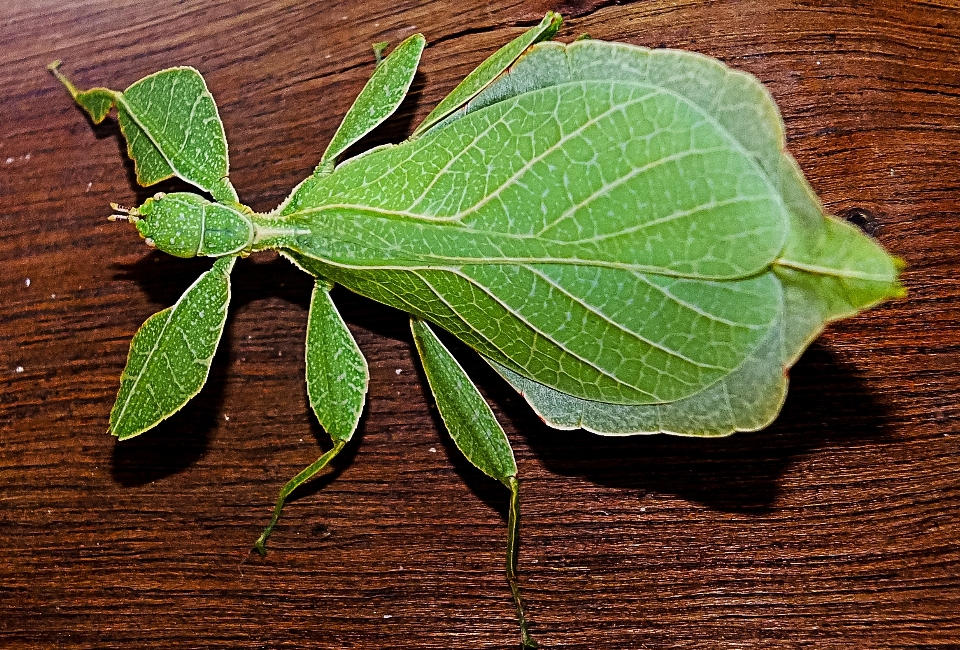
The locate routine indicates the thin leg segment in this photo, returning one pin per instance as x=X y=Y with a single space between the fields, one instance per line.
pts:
x=308 y=473
x=513 y=547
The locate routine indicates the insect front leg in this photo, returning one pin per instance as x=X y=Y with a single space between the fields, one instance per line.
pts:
x=171 y=125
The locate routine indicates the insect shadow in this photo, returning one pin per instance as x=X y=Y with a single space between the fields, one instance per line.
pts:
x=181 y=440
x=827 y=405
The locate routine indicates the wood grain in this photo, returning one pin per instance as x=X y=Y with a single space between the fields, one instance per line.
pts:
x=836 y=527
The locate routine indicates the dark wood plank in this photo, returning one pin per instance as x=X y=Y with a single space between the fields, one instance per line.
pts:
x=835 y=527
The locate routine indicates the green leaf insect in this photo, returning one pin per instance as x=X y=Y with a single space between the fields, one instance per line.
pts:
x=618 y=231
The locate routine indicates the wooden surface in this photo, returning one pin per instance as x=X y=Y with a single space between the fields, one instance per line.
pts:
x=837 y=526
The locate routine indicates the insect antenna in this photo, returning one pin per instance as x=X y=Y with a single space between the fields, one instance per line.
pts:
x=126 y=214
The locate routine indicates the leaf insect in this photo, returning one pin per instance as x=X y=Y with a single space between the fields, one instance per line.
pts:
x=618 y=231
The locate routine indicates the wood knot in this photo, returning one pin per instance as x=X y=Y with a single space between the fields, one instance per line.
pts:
x=863 y=219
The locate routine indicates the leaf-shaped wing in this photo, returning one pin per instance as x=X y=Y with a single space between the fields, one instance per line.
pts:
x=171 y=125
x=337 y=373
x=466 y=414
x=511 y=225
x=829 y=271
x=379 y=98
x=170 y=354
x=604 y=220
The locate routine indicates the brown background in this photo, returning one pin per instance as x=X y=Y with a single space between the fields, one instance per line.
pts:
x=836 y=527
